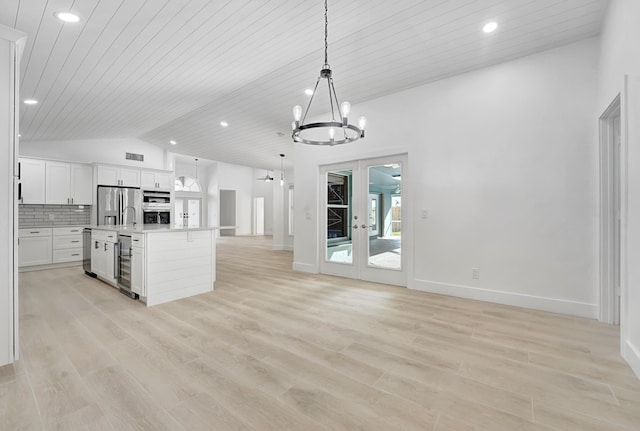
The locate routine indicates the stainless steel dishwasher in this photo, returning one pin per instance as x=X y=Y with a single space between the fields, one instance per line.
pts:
x=124 y=265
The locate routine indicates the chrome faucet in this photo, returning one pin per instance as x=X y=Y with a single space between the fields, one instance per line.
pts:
x=124 y=214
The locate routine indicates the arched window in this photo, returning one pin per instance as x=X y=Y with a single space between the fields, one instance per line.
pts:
x=187 y=184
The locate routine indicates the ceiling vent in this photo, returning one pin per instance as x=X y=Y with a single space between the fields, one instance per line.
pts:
x=136 y=157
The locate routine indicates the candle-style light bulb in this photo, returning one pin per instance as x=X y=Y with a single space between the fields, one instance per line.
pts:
x=297 y=112
x=332 y=133
x=362 y=122
x=346 y=108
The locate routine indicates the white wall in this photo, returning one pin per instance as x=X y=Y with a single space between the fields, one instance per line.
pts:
x=240 y=179
x=505 y=160
x=619 y=56
x=100 y=151
x=281 y=238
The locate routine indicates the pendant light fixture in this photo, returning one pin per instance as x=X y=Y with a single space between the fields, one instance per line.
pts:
x=281 y=170
x=267 y=178
x=335 y=131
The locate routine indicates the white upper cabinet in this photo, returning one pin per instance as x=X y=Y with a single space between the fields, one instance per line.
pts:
x=118 y=176
x=69 y=183
x=108 y=176
x=82 y=189
x=58 y=182
x=32 y=179
x=151 y=180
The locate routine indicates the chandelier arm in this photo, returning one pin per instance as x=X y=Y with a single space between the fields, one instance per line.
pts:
x=332 y=93
x=310 y=100
x=330 y=84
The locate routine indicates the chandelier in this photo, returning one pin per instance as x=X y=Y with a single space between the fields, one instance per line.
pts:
x=337 y=130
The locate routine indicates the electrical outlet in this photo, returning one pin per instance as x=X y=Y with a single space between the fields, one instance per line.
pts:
x=51 y=216
x=425 y=214
x=475 y=273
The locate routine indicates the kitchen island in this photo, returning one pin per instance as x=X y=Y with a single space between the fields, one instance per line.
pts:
x=160 y=263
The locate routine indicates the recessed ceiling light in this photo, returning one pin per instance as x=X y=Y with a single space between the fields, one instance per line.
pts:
x=308 y=92
x=30 y=102
x=67 y=16
x=490 y=27
x=172 y=142
x=224 y=123
x=19 y=135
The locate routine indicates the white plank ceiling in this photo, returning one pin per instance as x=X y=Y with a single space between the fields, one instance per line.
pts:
x=163 y=70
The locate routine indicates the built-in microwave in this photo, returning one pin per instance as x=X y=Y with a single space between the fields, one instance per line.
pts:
x=158 y=201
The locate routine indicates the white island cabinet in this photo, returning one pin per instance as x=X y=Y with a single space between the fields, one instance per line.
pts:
x=166 y=263
x=179 y=263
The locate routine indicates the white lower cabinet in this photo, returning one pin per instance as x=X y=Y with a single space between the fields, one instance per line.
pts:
x=104 y=255
x=35 y=247
x=44 y=246
x=137 y=271
x=67 y=244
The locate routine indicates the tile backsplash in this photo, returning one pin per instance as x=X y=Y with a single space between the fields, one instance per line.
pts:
x=63 y=215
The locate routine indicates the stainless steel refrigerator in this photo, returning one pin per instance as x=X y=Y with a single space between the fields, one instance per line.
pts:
x=119 y=206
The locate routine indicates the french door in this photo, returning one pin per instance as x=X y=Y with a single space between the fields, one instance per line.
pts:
x=361 y=220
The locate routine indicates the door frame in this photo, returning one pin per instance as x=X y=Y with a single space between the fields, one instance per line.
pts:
x=608 y=309
x=359 y=269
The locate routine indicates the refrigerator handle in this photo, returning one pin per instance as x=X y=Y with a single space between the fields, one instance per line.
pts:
x=120 y=215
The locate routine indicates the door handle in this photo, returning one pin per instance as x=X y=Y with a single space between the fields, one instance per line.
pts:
x=364 y=226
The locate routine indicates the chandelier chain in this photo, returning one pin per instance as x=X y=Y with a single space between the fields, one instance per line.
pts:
x=326 y=31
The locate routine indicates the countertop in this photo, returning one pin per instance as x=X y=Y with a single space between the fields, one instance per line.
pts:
x=151 y=228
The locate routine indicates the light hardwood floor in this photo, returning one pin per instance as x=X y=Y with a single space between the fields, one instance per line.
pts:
x=271 y=349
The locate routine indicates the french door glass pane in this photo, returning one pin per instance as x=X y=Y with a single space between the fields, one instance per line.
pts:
x=193 y=217
x=338 y=229
x=385 y=211
x=178 y=214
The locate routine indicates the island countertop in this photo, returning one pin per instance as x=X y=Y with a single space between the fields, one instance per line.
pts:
x=152 y=228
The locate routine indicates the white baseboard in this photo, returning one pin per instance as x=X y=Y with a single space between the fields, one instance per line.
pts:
x=282 y=247
x=631 y=354
x=305 y=267
x=49 y=266
x=553 y=305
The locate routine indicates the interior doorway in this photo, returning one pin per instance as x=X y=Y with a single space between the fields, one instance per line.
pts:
x=362 y=220
x=227 y=212
x=610 y=213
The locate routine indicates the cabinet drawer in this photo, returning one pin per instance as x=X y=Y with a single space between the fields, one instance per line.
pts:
x=67 y=241
x=26 y=232
x=137 y=240
x=67 y=230
x=104 y=235
x=68 y=255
